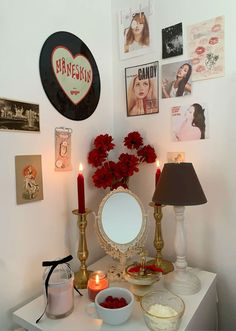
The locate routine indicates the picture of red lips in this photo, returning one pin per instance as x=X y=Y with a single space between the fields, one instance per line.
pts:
x=216 y=28
x=200 y=50
x=213 y=40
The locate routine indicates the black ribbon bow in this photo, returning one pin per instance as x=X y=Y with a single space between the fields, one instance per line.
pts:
x=53 y=265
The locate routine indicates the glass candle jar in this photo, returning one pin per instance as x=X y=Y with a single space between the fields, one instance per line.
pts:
x=97 y=281
x=60 y=298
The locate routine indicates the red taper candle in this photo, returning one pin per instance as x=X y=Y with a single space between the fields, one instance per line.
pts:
x=80 y=187
x=158 y=172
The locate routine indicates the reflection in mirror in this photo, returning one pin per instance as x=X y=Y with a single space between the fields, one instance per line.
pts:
x=121 y=226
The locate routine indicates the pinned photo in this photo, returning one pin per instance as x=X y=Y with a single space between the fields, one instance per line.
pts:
x=176 y=79
x=189 y=122
x=172 y=41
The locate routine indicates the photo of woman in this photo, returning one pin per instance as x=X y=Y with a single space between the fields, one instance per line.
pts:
x=135 y=29
x=137 y=35
x=142 y=90
x=176 y=79
x=189 y=123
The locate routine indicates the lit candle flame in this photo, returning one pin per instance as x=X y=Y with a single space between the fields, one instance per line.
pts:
x=97 y=279
x=81 y=167
x=158 y=163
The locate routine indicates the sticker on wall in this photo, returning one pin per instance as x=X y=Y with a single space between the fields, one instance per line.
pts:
x=69 y=75
x=29 y=183
x=63 y=149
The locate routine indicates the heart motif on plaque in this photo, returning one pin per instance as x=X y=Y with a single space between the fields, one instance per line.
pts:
x=73 y=73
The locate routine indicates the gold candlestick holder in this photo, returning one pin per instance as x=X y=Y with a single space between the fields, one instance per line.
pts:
x=158 y=242
x=82 y=276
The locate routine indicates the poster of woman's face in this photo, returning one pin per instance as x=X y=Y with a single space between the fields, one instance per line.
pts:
x=176 y=79
x=172 y=41
x=189 y=122
x=142 y=89
x=135 y=30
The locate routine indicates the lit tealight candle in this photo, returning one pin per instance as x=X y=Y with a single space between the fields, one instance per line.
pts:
x=97 y=282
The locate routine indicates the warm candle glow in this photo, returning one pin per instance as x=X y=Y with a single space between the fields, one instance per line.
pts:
x=97 y=282
x=96 y=279
x=158 y=163
x=81 y=167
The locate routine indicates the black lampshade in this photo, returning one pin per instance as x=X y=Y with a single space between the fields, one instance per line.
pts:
x=178 y=185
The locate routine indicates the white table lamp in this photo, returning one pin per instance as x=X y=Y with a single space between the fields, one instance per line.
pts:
x=179 y=186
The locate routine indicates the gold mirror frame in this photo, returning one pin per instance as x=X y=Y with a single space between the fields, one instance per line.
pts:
x=117 y=250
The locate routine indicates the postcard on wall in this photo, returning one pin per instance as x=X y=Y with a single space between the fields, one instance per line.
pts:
x=19 y=116
x=172 y=41
x=136 y=29
x=29 y=183
x=63 y=149
x=205 y=42
x=175 y=157
x=176 y=79
x=142 y=89
x=189 y=122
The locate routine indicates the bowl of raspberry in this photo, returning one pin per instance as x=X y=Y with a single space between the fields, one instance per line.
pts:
x=114 y=305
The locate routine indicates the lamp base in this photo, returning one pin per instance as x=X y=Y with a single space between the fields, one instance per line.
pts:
x=182 y=282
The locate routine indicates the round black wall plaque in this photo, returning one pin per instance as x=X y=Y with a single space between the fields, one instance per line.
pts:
x=69 y=75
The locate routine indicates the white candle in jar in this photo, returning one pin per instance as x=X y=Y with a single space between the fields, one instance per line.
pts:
x=60 y=298
x=163 y=318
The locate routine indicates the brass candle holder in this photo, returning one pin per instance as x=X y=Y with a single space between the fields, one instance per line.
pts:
x=158 y=242
x=82 y=276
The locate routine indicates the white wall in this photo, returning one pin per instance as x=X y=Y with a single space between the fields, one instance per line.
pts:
x=33 y=232
x=47 y=229
x=210 y=228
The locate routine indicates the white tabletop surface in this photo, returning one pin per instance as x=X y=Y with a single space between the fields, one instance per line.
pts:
x=79 y=319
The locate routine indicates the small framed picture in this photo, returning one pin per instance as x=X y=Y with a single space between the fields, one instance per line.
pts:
x=142 y=89
x=29 y=183
x=19 y=116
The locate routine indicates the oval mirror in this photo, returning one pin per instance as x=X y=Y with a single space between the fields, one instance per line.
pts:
x=121 y=225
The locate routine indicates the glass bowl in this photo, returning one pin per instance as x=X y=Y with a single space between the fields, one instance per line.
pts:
x=162 y=310
x=141 y=284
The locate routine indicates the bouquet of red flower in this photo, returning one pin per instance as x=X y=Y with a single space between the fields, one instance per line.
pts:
x=114 y=174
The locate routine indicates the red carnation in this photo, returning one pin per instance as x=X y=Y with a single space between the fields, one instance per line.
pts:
x=133 y=140
x=147 y=154
x=103 y=176
x=96 y=157
x=103 y=142
x=127 y=165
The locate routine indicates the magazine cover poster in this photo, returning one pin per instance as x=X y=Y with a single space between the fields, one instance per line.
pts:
x=205 y=42
x=172 y=41
x=136 y=29
x=142 y=89
x=189 y=122
x=176 y=79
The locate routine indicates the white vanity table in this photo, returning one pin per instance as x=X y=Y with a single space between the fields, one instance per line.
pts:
x=200 y=312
